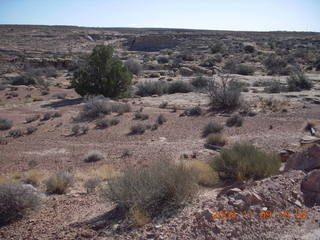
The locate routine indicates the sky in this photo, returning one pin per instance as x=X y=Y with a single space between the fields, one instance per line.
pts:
x=238 y=15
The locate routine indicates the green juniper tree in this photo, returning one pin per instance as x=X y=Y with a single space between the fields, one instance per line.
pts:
x=102 y=74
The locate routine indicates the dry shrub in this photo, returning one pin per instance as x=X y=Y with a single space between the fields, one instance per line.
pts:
x=244 y=161
x=5 y=124
x=161 y=119
x=205 y=175
x=93 y=156
x=139 y=216
x=272 y=104
x=104 y=172
x=224 y=93
x=16 y=200
x=91 y=184
x=217 y=139
x=138 y=129
x=212 y=127
x=141 y=116
x=34 y=177
x=235 y=120
x=58 y=183
x=102 y=123
x=162 y=186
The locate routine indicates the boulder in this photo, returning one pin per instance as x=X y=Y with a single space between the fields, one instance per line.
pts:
x=310 y=187
x=307 y=160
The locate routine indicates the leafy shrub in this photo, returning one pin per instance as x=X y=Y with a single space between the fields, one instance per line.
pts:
x=217 y=139
x=159 y=187
x=298 y=81
x=235 y=120
x=249 y=49
x=93 y=156
x=15 y=201
x=195 y=111
x=102 y=123
x=212 y=127
x=102 y=74
x=223 y=94
x=93 y=108
x=161 y=119
x=32 y=119
x=200 y=82
x=138 y=129
x=149 y=88
x=179 y=87
x=16 y=133
x=5 y=124
x=141 y=116
x=31 y=129
x=245 y=161
x=133 y=66
x=203 y=172
x=58 y=183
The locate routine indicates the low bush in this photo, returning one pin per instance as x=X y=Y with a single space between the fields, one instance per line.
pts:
x=49 y=115
x=155 y=189
x=138 y=129
x=200 y=82
x=217 y=139
x=274 y=87
x=163 y=104
x=149 y=88
x=243 y=69
x=141 y=116
x=223 y=94
x=212 y=127
x=121 y=108
x=59 y=95
x=102 y=123
x=195 y=111
x=76 y=129
x=298 y=81
x=16 y=200
x=235 y=120
x=16 y=133
x=58 y=183
x=249 y=49
x=94 y=107
x=161 y=119
x=91 y=184
x=203 y=172
x=245 y=161
x=114 y=122
x=5 y=124
x=93 y=156
x=32 y=119
x=179 y=87
x=3 y=141
x=133 y=66
x=31 y=129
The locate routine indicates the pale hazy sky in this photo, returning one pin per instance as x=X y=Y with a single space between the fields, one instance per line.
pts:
x=259 y=15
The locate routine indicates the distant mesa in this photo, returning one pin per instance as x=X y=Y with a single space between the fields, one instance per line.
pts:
x=152 y=43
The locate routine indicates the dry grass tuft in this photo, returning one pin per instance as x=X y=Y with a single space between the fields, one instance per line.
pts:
x=205 y=174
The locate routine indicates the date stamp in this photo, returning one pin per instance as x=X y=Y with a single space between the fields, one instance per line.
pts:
x=263 y=214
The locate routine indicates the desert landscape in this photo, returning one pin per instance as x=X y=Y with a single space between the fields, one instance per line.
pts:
x=215 y=136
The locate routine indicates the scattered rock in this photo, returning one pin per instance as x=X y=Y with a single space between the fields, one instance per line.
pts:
x=307 y=160
x=310 y=187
